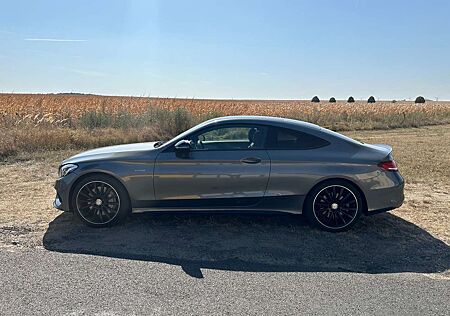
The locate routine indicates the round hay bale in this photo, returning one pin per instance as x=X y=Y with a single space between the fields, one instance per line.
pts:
x=351 y=100
x=332 y=100
x=420 y=99
x=371 y=99
x=315 y=99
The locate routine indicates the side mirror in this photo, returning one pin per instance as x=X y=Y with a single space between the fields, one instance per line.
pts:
x=182 y=148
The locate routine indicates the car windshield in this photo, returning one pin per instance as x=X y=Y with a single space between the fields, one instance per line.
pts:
x=191 y=130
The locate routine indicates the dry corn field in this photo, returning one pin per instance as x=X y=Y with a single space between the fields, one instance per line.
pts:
x=57 y=109
x=30 y=122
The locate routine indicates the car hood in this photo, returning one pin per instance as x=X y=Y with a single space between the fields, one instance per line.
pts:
x=111 y=152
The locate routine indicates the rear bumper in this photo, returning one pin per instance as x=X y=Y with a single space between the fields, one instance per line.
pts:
x=386 y=194
x=383 y=210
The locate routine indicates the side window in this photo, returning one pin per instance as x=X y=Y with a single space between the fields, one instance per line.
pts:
x=283 y=138
x=226 y=134
x=230 y=138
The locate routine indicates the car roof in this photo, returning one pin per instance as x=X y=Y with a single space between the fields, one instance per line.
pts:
x=284 y=122
x=271 y=120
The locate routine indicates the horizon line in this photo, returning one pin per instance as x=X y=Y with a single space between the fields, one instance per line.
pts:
x=215 y=99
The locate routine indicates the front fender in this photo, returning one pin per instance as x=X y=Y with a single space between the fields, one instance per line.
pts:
x=135 y=176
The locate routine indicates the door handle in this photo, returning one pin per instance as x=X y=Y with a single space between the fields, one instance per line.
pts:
x=251 y=160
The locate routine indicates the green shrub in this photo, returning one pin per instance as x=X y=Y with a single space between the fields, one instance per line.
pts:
x=95 y=120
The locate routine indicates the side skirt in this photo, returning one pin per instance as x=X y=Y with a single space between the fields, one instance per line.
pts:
x=289 y=204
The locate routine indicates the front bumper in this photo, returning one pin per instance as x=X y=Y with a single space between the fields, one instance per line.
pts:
x=63 y=187
x=57 y=203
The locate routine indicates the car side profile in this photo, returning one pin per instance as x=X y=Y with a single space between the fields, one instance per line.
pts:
x=236 y=163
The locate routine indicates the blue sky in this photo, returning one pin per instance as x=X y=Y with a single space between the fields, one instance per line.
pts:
x=227 y=49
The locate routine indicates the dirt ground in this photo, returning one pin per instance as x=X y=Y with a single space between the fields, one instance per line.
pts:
x=416 y=237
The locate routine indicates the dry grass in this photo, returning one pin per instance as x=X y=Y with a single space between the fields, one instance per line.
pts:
x=18 y=139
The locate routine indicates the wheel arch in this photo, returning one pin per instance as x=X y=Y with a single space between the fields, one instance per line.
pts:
x=89 y=174
x=341 y=179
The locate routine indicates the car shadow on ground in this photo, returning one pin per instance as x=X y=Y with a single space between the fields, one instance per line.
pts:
x=382 y=243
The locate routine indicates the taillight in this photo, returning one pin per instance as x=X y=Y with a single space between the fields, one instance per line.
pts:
x=390 y=165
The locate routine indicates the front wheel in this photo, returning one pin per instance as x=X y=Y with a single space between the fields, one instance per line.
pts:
x=100 y=201
x=333 y=206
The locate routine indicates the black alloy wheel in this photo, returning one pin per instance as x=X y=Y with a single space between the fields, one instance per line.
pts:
x=334 y=206
x=100 y=201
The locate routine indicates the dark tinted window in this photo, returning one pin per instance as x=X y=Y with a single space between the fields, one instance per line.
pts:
x=283 y=138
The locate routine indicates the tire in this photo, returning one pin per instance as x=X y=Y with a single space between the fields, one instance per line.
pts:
x=100 y=200
x=333 y=205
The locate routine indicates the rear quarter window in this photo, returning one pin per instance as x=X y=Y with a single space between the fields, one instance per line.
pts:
x=284 y=138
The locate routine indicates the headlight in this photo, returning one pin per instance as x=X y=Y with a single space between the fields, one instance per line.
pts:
x=64 y=170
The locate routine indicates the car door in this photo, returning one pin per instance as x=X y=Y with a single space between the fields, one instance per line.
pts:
x=226 y=166
x=298 y=160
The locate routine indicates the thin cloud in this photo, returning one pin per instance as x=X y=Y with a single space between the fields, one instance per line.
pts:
x=89 y=73
x=54 y=40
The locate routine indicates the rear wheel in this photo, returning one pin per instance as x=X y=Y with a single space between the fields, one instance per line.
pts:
x=100 y=200
x=333 y=205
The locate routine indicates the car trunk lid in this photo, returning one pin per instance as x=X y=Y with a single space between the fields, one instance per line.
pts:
x=375 y=152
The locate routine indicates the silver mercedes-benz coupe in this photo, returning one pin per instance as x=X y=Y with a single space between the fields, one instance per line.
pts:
x=239 y=163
